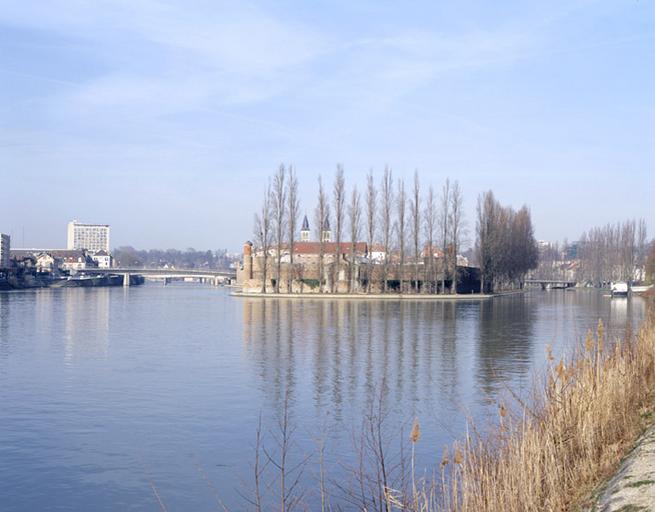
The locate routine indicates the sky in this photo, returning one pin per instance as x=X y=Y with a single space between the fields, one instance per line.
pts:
x=165 y=119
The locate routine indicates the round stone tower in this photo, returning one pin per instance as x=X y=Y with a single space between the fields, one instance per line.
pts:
x=247 y=260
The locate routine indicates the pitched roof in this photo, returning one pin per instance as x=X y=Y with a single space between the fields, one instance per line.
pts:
x=305 y=224
x=328 y=247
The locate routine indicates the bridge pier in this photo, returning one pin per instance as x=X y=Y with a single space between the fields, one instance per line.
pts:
x=126 y=280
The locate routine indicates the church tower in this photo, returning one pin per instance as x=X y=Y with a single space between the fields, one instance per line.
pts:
x=304 y=231
x=326 y=232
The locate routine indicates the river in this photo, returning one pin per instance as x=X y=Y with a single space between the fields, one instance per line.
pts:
x=150 y=397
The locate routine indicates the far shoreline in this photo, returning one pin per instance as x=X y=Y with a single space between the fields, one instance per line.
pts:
x=376 y=296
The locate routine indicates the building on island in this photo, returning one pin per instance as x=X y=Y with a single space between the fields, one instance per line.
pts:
x=346 y=267
x=5 y=247
x=90 y=237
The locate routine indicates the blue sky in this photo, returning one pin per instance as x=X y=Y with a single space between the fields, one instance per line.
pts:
x=164 y=119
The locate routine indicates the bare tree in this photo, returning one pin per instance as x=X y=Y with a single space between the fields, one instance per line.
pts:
x=456 y=229
x=430 y=217
x=322 y=216
x=279 y=200
x=371 y=209
x=354 y=215
x=293 y=209
x=415 y=209
x=263 y=232
x=339 y=198
x=444 y=231
x=484 y=239
x=642 y=237
x=386 y=188
x=401 y=203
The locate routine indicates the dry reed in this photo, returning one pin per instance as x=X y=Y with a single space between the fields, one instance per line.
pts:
x=549 y=456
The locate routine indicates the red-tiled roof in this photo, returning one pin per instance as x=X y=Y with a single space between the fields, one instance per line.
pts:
x=328 y=247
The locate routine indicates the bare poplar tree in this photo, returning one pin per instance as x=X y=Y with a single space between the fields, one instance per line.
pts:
x=401 y=203
x=430 y=217
x=293 y=209
x=415 y=212
x=484 y=233
x=279 y=200
x=642 y=237
x=263 y=232
x=386 y=188
x=456 y=229
x=339 y=198
x=444 y=231
x=322 y=214
x=371 y=209
x=354 y=215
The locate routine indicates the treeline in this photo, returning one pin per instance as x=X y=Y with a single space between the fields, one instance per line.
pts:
x=156 y=258
x=423 y=228
x=505 y=244
x=614 y=252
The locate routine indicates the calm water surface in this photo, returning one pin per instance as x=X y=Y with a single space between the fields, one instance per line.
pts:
x=109 y=396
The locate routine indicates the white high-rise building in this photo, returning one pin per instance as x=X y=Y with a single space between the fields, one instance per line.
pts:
x=5 y=243
x=91 y=237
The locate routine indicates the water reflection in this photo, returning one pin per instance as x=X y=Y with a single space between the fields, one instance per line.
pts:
x=504 y=342
x=412 y=351
x=441 y=357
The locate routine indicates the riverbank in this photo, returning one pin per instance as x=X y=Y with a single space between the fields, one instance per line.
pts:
x=583 y=420
x=371 y=296
x=633 y=486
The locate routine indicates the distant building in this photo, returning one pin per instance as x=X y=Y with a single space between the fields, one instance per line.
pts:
x=89 y=237
x=102 y=259
x=52 y=260
x=45 y=262
x=76 y=259
x=5 y=243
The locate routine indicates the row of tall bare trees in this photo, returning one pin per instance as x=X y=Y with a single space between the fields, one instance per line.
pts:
x=614 y=252
x=505 y=247
x=422 y=229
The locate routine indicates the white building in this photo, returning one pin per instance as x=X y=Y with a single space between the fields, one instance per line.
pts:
x=90 y=237
x=102 y=259
x=5 y=243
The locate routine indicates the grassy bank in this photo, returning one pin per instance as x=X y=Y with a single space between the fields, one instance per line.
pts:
x=550 y=455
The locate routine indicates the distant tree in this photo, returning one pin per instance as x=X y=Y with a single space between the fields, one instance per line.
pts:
x=456 y=230
x=279 y=211
x=386 y=188
x=650 y=264
x=322 y=214
x=444 y=229
x=485 y=233
x=293 y=210
x=263 y=232
x=523 y=246
x=339 y=198
x=430 y=219
x=415 y=214
x=401 y=203
x=354 y=215
x=371 y=210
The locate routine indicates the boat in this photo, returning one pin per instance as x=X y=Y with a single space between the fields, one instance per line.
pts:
x=641 y=288
x=620 y=289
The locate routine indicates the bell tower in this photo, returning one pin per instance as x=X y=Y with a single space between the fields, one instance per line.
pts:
x=304 y=231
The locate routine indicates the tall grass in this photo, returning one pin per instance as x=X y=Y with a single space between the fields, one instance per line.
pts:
x=551 y=454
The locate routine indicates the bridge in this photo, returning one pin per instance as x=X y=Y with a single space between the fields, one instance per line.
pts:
x=551 y=283
x=215 y=277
